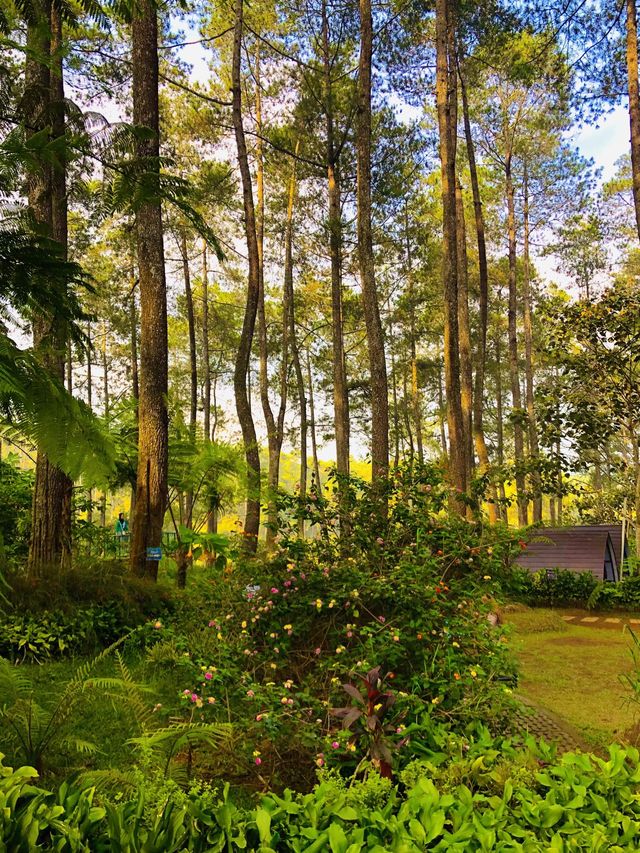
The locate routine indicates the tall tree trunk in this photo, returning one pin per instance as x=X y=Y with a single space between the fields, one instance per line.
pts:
x=274 y=426
x=183 y=560
x=135 y=384
x=50 y=521
x=60 y=233
x=340 y=391
x=240 y=379
x=193 y=361
x=534 y=448
x=407 y=407
x=295 y=350
x=634 y=103
x=502 y=512
x=151 y=482
x=514 y=369
x=415 y=394
x=446 y=102
x=206 y=364
x=394 y=395
x=373 y=323
x=314 y=442
x=479 y=440
x=464 y=334
x=441 y=405
x=90 y=404
x=106 y=398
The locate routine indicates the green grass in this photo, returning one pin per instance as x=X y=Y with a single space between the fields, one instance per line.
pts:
x=576 y=673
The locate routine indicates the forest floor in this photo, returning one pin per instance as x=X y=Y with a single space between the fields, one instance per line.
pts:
x=574 y=670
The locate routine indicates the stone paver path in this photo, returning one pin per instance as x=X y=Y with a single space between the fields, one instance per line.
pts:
x=539 y=722
x=603 y=621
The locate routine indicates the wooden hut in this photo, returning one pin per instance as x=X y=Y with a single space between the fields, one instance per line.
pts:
x=575 y=549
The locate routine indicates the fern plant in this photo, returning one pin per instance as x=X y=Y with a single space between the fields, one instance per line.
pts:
x=36 y=732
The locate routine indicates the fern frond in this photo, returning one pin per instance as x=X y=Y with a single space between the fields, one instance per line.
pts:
x=78 y=744
x=110 y=780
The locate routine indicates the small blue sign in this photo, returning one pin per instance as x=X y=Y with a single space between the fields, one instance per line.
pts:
x=154 y=553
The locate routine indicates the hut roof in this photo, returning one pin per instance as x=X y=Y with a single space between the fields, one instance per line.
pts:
x=576 y=549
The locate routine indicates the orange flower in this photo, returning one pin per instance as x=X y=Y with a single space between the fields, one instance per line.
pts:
x=456 y=675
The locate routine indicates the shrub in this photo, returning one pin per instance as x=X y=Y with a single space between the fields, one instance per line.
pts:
x=281 y=636
x=571 y=588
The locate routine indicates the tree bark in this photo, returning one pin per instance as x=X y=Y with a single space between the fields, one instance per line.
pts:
x=295 y=350
x=502 y=509
x=275 y=425
x=60 y=233
x=135 y=384
x=240 y=381
x=105 y=394
x=184 y=561
x=373 y=323
x=634 y=103
x=446 y=103
x=90 y=404
x=314 y=442
x=50 y=541
x=479 y=440
x=151 y=481
x=415 y=394
x=514 y=370
x=464 y=334
x=534 y=448
x=340 y=392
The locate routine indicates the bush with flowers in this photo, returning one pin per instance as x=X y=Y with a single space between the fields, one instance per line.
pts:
x=411 y=594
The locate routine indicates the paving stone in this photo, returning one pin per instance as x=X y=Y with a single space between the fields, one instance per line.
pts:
x=568 y=618
x=614 y=621
x=634 y=621
x=589 y=618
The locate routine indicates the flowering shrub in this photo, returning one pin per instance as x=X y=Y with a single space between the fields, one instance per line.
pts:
x=411 y=595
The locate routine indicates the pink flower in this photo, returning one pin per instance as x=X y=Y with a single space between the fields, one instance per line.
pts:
x=186 y=693
x=287 y=583
x=335 y=745
x=274 y=590
x=259 y=717
x=194 y=697
x=303 y=576
x=381 y=619
x=250 y=694
x=258 y=761
x=318 y=651
x=212 y=624
x=208 y=676
x=380 y=540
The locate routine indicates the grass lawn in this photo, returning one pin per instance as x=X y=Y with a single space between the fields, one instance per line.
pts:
x=575 y=671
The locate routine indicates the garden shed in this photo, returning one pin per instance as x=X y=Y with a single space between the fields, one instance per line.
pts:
x=576 y=549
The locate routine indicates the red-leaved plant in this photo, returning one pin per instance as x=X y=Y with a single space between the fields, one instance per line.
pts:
x=366 y=719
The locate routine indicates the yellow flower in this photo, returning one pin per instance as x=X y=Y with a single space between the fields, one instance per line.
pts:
x=473 y=673
x=351 y=747
x=455 y=645
x=256 y=753
x=244 y=623
x=287 y=627
x=435 y=701
x=487 y=578
x=318 y=603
